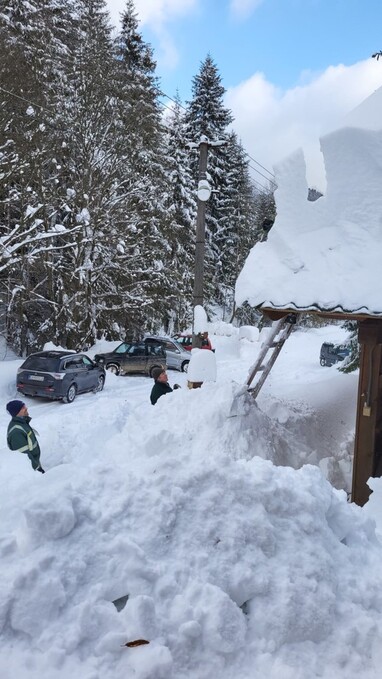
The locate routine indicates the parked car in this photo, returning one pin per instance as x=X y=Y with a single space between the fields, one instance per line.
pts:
x=333 y=353
x=177 y=357
x=133 y=357
x=59 y=375
x=186 y=342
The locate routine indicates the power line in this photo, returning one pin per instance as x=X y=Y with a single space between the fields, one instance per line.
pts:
x=260 y=165
x=263 y=175
x=47 y=110
x=28 y=101
x=254 y=181
x=163 y=94
x=164 y=106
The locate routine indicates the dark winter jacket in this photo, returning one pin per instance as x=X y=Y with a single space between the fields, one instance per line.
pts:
x=158 y=390
x=21 y=437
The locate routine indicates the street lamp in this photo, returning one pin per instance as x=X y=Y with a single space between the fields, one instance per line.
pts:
x=204 y=190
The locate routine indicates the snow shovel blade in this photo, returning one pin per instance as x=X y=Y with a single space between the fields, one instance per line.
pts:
x=240 y=399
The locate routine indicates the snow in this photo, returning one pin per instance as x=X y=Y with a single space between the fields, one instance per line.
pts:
x=200 y=320
x=227 y=552
x=202 y=366
x=325 y=254
x=249 y=332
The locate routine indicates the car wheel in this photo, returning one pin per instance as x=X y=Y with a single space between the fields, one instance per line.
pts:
x=100 y=384
x=185 y=366
x=113 y=368
x=70 y=394
x=322 y=361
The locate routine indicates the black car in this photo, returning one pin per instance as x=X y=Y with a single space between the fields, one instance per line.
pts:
x=333 y=353
x=59 y=375
x=133 y=357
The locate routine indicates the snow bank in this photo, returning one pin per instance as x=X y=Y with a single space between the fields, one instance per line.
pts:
x=227 y=564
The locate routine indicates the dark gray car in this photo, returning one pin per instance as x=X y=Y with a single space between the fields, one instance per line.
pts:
x=333 y=353
x=133 y=357
x=59 y=375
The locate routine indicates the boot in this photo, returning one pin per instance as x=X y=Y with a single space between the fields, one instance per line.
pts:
x=40 y=469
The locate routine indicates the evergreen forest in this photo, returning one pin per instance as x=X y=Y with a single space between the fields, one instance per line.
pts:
x=98 y=182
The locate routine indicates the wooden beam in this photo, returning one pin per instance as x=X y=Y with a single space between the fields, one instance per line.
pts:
x=276 y=314
x=370 y=331
x=368 y=413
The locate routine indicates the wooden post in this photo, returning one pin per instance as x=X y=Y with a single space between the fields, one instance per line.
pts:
x=194 y=385
x=200 y=230
x=368 y=431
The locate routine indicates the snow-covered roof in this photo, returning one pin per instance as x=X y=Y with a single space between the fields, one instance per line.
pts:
x=326 y=255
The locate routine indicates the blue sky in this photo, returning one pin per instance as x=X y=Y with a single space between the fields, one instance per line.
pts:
x=299 y=64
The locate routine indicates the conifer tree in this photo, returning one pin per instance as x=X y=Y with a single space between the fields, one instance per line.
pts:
x=207 y=116
x=238 y=230
x=182 y=212
x=145 y=254
x=352 y=361
x=86 y=174
x=32 y=36
x=230 y=223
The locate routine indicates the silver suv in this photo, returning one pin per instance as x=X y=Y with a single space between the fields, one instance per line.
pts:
x=177 y=358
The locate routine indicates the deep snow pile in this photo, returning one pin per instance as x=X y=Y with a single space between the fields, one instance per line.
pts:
x=233 y=567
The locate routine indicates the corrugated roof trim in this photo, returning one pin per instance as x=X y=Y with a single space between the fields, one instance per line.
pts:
x=338 y=309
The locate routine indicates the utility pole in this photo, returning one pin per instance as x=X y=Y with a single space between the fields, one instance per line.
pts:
x=204 y=192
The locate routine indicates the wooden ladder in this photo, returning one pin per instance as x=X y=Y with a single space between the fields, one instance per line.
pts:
x=269 y=351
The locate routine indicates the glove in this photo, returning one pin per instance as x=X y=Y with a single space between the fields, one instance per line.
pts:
x=176 y=386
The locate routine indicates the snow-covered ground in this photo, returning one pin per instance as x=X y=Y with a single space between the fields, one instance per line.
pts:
x=238 y=558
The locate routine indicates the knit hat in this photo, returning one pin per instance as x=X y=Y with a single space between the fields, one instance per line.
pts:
x=156 y=372
x=14 y=407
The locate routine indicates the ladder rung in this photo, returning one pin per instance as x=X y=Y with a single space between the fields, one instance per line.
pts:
x=283 y=327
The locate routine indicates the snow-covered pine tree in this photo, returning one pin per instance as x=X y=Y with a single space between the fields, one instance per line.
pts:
x=182 y=212
x=237 y=224
x=264 y=214
x=32 y=36
x=351 y=362
x=207 y=116
x=145 y=278
x=87 y=173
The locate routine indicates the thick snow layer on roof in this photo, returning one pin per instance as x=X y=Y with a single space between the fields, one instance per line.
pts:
x=326 y=254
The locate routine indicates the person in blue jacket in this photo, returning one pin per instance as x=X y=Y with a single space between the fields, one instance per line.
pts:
x=20 y=435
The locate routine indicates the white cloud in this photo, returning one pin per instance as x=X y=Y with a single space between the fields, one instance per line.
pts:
x=150 y=12
x=153 y=11
x=242 y=9
x=273 y=123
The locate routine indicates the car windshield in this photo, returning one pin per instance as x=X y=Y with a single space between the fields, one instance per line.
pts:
x=176 y=345
x=45 y=363
x=122 y=348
